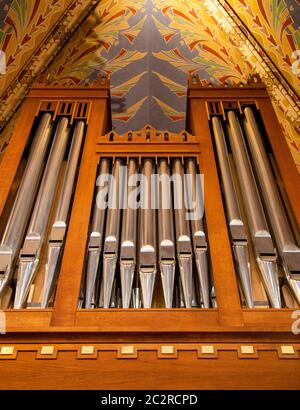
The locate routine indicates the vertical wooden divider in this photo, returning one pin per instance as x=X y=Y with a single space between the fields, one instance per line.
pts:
x=65 y=306
x=13 y=153
x=228 y=300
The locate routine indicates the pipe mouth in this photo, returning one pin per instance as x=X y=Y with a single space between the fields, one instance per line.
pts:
x=243 y=269
x=127 y=271
x=147 y=279
x=186 y=274
x=203 y=275
x=109 y=268
x=167 y=271
x=269 y=272
x=26 y=274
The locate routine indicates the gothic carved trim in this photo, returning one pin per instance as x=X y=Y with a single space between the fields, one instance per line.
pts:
x=148 y=134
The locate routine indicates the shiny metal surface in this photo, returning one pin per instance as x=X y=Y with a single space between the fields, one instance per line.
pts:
x=95 y=242
x=288 y=249
x=266 y=255
x=30 y=253
x=255 y=214
x=233 y=214
x=182 y=233
x=112 y=232
x=166 y=239
x=18 y=219
x=235 y=221
x=128 y=246
x=147 y=236
x=59 y=227
x=195 y=193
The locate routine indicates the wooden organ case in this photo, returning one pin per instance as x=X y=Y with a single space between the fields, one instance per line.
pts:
x=237 y=339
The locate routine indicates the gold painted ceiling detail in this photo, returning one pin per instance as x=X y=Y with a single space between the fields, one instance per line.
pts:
x=31 y=35
x=283 y=95
x=275 y=25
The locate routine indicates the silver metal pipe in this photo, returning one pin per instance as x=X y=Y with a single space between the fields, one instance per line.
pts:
x=129 y=238
x=136 y=298
x=95 y=241
x=18 y=219
x=263 y=244
x=147 y=236
x=59 y=227
x=182 y=232
x=288 y=249
x=234 y=217
x=196 y=200
x=30 y=253
x=166 y=233
x=112 y=232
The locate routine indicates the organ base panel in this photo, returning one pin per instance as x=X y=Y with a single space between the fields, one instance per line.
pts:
x=81 y=309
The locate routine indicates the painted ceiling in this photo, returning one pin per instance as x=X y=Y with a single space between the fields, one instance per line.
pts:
x=149 y=48
x=23 y=27
x=275 y=25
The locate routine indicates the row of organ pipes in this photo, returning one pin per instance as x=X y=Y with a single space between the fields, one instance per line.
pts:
x=130 y=248
x=263 y=225
x=25 y=232
x=151 y=255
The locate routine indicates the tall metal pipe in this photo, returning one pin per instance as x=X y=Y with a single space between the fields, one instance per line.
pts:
x=95 y=241
x=112 y=232
x=18 y=219
x=235 y=222
x=183 y=235
x=196 y=200
x=166 y=233
x=129 y=237
x=60 y=225
x=263 y=244
x=147 y=236
x=30 y=253
x=288 y=249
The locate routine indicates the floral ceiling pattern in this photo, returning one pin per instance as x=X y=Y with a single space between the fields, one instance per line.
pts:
x=23 y=26
x=276 y=26
x=148 y=52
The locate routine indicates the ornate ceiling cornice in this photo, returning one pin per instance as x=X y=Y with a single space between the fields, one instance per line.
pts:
x=283 y=95
x=13 y=96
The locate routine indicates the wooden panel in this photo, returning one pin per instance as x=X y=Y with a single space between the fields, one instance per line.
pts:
x=153 y=149
x=228 y=93
x=161 y=321
x=148 y=320
x=220 y=249
x=188 y=371
x=23 y=320
x=13 y=153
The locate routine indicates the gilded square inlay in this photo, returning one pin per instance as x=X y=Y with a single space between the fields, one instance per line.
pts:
x=127 y=350
x=7 y=350
x=247 y=349
x=167 y=350
x=287 y=350
x=47 y=350
x=207 y=349
x=87 y=350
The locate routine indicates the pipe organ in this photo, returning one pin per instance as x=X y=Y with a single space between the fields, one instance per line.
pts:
x=151 y=232
x=149 y=245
